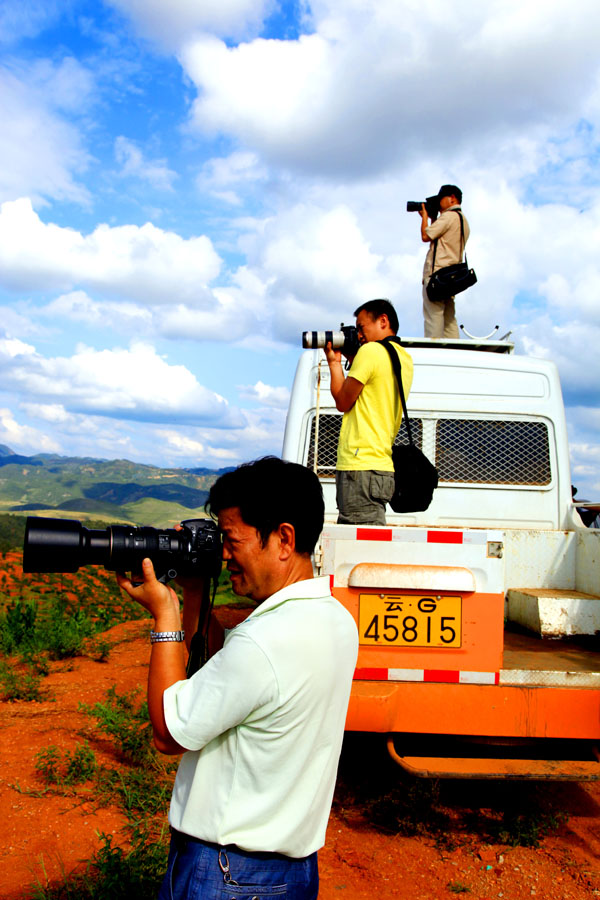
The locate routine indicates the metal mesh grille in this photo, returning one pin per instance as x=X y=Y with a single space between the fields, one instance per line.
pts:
x=329 y=432
x=472 y=451
x=492 y=452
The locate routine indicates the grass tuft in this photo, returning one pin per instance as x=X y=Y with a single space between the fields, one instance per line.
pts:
x=20 y=682
x=68 y=768
x=125 y=719
x=114 y=873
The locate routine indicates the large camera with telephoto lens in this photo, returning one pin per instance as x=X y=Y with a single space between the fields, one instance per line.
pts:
x=346 y=340
x=432 y=205
x=63 y=545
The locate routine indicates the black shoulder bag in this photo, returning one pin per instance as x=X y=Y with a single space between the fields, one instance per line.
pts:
x=450 y=280
x=416 y=477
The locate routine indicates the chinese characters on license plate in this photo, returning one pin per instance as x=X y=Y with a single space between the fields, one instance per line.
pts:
x=402 y=620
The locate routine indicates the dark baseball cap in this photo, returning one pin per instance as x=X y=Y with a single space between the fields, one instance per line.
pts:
x=447 y=190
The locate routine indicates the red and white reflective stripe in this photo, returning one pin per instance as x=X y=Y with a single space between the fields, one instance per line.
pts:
x=412 y=535
x=444 y=676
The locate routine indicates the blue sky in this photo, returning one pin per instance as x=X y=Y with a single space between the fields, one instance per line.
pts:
x=185 y=187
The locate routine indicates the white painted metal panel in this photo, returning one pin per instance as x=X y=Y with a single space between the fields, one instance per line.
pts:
x=540 y=559
x=588 y=561
x=393 y=576
x=341 y=556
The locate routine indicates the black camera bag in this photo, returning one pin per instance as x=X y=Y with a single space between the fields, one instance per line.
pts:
x=416 y=477
x=451 y=280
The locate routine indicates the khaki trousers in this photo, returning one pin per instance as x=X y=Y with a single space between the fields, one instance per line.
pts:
x=362 y=495
x=439 y=318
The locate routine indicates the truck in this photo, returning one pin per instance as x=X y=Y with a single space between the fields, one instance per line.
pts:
x=479 y=617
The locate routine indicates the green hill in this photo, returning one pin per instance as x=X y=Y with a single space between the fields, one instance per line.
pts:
x=113 y=490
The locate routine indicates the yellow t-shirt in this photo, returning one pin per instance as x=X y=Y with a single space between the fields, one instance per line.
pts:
x=369 y=428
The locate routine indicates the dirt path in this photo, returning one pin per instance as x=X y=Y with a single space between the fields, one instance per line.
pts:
x=364 y=857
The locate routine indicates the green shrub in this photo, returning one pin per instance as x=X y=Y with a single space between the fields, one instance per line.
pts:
x=61 y=631
x=142 y=790
x=114 y=873
x=142 y=793
x=68 y=768
x=17 y=626
x=527 y=827
x=12 y=532
x=64 y=634
x=80 y=764
x=127 y=722
x=21 y=682
x=98 y=648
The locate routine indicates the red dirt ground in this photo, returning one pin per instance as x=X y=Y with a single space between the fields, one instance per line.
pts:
x=46 y=835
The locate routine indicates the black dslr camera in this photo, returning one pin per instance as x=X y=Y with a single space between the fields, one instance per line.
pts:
x=432 y=205
x=63 y=545
x=346 y=340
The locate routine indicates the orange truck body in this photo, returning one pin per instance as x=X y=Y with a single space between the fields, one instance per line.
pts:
x=478 y=618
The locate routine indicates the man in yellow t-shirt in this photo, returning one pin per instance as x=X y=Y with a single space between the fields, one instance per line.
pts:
x=370 y=401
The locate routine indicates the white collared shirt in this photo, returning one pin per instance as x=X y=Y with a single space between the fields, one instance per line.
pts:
x=263 y=722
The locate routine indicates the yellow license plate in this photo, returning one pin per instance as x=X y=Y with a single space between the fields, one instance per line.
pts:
x=386 y=620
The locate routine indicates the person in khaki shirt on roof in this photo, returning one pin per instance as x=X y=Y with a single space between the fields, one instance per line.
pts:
x=260 y=725
x=444 y=236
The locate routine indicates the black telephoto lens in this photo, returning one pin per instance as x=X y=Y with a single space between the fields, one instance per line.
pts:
x=63 y=545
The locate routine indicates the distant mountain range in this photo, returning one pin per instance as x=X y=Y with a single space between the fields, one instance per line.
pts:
x=115 y=490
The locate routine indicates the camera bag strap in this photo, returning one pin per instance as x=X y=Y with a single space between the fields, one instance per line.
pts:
x=199 y=654
x=462 y=241
x=415 y=476
x=395 y=360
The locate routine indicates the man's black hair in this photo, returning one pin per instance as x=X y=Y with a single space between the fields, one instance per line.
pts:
x=377 y=308
x=447 y=190
x=270 y=491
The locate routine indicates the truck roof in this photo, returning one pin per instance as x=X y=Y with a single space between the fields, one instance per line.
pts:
x=482 y=344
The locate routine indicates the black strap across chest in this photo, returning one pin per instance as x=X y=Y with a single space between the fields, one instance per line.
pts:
x=462 y=239
x=397 y=367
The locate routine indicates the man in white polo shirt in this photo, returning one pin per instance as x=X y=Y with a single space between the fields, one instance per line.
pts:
x=261 y=723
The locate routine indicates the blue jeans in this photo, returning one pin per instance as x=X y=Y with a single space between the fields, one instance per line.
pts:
x=198 y=870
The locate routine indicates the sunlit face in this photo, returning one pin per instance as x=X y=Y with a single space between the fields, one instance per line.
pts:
x=251 y=566
x=447 y=202
x=369 y=329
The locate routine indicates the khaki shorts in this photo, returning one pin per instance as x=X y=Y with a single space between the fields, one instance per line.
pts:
x=362 y=496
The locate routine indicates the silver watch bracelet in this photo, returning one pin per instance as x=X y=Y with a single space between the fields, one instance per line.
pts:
x=158 y=637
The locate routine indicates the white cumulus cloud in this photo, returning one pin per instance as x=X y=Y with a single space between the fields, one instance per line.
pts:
x=169 y=25
x=41 y=152
x=371 y=87
x=20 y=437
x=134 y=165
x=265 y=394
x=130 y=383
x=225 y=177
x=142 y=263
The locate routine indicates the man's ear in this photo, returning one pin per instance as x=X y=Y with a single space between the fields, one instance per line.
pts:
x=287 y=540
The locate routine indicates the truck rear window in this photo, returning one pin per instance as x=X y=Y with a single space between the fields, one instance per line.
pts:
x=471 y=451
x=492 y=452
